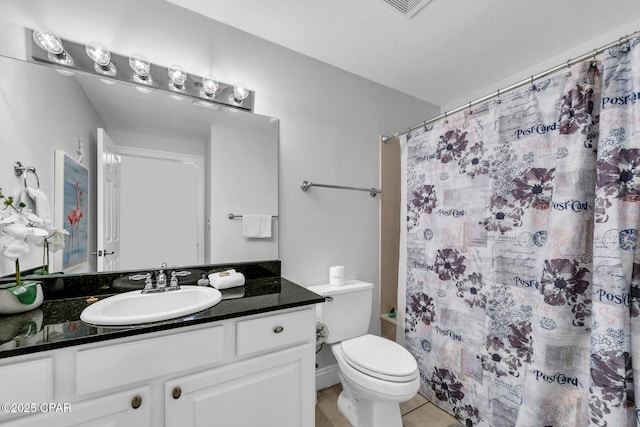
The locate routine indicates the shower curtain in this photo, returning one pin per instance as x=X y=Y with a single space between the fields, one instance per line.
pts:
x=519 y=271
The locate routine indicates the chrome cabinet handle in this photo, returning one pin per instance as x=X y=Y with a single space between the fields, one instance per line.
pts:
x=278 y=329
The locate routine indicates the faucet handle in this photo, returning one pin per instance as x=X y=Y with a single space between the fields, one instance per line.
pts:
x=173 y=284
x=148 y=282
x=180 y=273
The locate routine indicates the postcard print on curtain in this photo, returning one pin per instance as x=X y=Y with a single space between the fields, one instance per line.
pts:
x=500 y=207
x=615 y=348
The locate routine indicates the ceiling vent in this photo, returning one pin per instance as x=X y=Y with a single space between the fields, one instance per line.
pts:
x=407 y=7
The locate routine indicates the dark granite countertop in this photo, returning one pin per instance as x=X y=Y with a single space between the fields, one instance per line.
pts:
x=56 y=323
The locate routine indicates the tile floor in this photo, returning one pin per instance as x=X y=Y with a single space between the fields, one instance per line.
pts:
x=418 y=412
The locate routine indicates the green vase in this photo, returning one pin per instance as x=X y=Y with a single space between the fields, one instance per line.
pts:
x=16 y=298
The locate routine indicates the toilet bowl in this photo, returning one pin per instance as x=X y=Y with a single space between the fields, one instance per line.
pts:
x=374 y=382
x=376 y=373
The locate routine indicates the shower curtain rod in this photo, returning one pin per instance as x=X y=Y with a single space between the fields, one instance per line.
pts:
x=622 y=40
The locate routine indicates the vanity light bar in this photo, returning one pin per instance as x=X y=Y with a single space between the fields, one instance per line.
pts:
x=160 y=80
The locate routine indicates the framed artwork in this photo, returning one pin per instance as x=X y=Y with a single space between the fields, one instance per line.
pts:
x=72 y=210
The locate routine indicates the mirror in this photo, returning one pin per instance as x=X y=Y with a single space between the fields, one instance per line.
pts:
x=228 y=159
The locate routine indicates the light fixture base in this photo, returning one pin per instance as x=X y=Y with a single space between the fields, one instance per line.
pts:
x=158 y=78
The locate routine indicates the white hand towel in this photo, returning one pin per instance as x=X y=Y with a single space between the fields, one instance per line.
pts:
x=37 y=201
x=226 y=279
x=24 y=197
x=41 y=204
x=256 y=226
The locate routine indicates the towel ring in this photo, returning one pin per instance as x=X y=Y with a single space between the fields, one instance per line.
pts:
x=19 y=170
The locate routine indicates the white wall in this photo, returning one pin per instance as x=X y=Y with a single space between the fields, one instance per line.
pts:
x=243 y=167
x=157 y=142
x=32 y=130
x=597 y=41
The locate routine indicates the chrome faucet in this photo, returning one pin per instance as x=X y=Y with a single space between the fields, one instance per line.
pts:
x=160 y=285
x=161 y=278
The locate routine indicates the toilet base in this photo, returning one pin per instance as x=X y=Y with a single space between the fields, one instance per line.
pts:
x=366 y=413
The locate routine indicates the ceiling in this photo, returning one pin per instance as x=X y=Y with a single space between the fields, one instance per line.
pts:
x=448 y=50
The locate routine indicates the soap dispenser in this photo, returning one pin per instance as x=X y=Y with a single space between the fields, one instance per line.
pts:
x=203 y=280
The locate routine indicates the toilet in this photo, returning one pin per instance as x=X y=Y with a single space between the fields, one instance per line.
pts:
x=376 y=373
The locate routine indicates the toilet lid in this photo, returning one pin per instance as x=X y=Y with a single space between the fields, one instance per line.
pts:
x=380 y=358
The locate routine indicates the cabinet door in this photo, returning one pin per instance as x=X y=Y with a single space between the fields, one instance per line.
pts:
x=129 y=408
x=272 y=390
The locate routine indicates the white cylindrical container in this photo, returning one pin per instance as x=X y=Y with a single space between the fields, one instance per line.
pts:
x=336 y=275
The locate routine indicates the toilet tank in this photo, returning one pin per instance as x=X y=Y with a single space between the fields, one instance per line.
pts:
x=347 y=310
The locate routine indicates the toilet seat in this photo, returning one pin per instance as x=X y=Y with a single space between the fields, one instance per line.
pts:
x=380 y=358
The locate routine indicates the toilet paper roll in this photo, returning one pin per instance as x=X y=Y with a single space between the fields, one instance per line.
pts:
x=336 y=275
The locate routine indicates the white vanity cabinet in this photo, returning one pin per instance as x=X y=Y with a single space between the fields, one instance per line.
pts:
x=270 y=385
x=245 y=371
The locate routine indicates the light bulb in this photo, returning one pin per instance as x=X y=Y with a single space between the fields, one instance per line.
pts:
x=178 y=75
x=210 y=85
x=98 y=53
x=141 y=66
x=240 y=92
x=101 y=57
x=49 y=42
x=53 y=46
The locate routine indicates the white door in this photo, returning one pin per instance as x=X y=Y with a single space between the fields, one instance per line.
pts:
x=108 y=194
x=162 y=199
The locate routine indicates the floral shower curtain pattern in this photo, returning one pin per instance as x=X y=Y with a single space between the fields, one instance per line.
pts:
x=520 y=273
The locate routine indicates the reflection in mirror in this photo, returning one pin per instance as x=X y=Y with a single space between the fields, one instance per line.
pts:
x=183 y=168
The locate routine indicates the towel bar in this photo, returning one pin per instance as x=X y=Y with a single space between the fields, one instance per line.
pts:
x=234 y=216
x=372 y=191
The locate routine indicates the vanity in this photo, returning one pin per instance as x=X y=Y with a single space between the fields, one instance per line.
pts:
x=247 y=361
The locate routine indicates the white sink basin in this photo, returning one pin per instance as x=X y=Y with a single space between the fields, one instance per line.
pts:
x=133 y=308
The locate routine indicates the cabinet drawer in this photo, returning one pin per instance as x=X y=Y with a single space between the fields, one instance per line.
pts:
x=276 y=331
x=114 y=410
x=118 y=365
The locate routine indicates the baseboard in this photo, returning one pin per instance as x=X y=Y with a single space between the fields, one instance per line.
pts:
x=327 y=376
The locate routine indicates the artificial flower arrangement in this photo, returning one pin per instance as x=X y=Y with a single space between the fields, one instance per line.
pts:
x=19 y=228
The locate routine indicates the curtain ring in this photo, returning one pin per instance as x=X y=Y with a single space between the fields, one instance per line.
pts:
x=498 y=100
x=446 y=119
x=568 y=72
x=594 y=63
x=470 y=110
x=624 y=45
